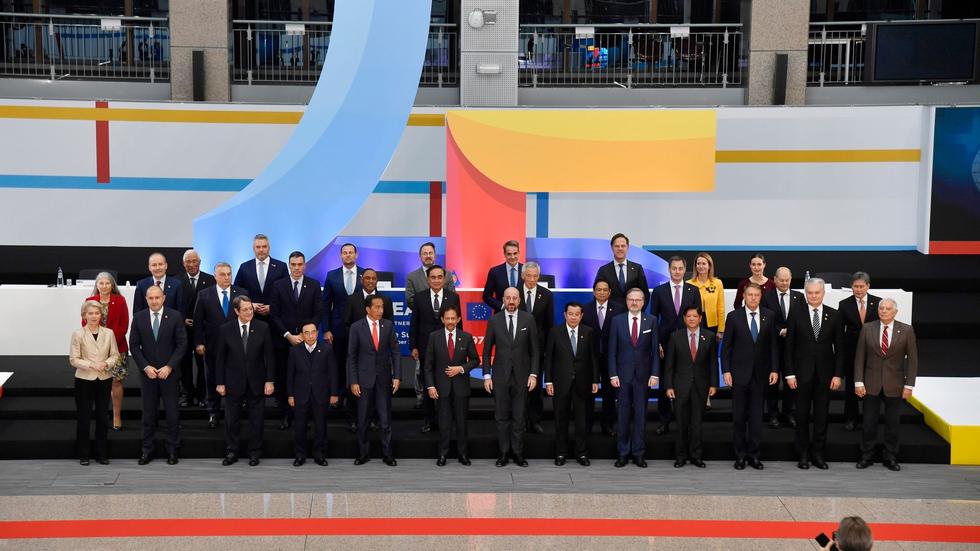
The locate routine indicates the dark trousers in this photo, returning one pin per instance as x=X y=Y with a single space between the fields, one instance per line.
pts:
x=88 y=393
x=453 y=408
x=189 y=385
x=631 y=403
x=816 y=395
x=347 y=403
x=303 y=412
x=211 y=397
x=689 y=409
x=607 y=414
x=780 y=392
x=535 y=401
x=747 y=403
x=664 y=407
x=429 y=415
x=281 y=352
x=510 y=410
x=154 y=391
x=851 y=407
x=256 y=422
x=869 y=436
x=572 y=401
x=374 y=399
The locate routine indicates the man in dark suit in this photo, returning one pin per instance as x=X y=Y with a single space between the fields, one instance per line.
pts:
x=667 y=302
x=312 y=384
x=634 y=367
x=172 y=289
x=338 y=286
x=621 y=274
x=785 y=303
x=157 y=341
x=750 y=362
x=425 y=320
x=814 y=364
x=885 y=368
x=374 y=374
x=539 y=302
x=855 y=311
x=691 y=376
x=292 y=301
x=258 y=276
x=512 y=343
x=571 y=365
x=355 y=302
x=598 y=314
x=193 y=281
x=246 y=371
x=212 y=310
x=449 y=357
x=502 y=276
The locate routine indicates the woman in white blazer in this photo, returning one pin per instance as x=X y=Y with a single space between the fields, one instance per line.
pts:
x=93 y=352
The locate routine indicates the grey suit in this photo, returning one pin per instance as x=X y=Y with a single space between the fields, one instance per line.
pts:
x=516 y=358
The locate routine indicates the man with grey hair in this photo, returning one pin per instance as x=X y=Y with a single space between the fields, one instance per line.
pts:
x=172 y=289
x=856 y=310
x=814 y=365
x=193 y=281
x=537 y=300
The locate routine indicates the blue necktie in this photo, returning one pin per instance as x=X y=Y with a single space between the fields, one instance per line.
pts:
x=574 y=343
x=156 y=325
x=224 y=302
x=754 y=327
x=513 y=277
x=622 y=279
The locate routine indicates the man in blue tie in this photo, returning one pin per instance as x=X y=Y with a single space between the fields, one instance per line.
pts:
x=503 y=276
x=338 y=286
x=621 y=274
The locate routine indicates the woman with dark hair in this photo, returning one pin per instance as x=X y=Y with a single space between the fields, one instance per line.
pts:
x=757 y=265
x=115 y=316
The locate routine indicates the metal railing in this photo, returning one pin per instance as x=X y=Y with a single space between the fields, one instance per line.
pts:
x=276 y=52
x=835 y=53
x=630 y=56
x=84 y=47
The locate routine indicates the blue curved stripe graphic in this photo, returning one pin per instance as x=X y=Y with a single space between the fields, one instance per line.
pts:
x=339 y=150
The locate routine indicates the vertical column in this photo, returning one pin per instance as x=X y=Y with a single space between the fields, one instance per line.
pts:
x=197 y=25
x=488 y=47
x=776 y=27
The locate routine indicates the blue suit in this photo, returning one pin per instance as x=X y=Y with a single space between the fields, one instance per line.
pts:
x=248 y=279
x=634 y=365
x=333 y=313
x=173 y=291
x=668 y=321
x=498 y=280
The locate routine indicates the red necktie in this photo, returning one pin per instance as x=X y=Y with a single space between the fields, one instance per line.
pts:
x=158 y=283
x=884 y=340
x=374 y=334
x=635 y=333
x=449 y=345
x=694 y=348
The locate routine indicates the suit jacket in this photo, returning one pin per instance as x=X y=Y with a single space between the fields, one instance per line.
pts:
x=796 y=303
x=662 y=307
x=633 y=363
x=367 y=366
x=287 y=313
x=167 y=349
x=189 y=294
x=681 y=372
x=743 y=358
x=568 y=370
x=86 y=350
x=851 y=319
x=891 y=371
x=312 y=377
x=209 y=316
x=590 y=317
x=635 y=277
x=425 y=320
x=116 y=318
x=173 y=292
x=355 y=308
x=335 y=299
x=247 y=278
x=437 y=360
x=544 y=309
x=238 y=366
x=504 y=354
x=498 y=280
x=808 y=358
x=416 y=281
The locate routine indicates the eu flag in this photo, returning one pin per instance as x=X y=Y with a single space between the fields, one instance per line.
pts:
x=477 y=311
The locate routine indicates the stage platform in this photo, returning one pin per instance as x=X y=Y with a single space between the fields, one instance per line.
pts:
x=950 y=408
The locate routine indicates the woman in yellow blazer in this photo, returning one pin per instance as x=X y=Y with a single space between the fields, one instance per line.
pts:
x=93 y=352
x=712 y=296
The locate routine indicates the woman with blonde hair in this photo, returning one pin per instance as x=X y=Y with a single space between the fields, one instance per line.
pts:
x=92 y=352
x=115 y=316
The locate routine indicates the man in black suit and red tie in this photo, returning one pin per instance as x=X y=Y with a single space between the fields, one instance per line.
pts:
x=814 y=365
x=425 y=320
x=750 y=362
x=690 y=376
x=246 y=371
x=539 y=302
x=785 y=302
x=621 y=274
x=597 y=314
x=571 y=367
x=312 y=385
x=855 y=311
x=194 y=281
x=502 y=276
x=374 y=375
x=449 y=357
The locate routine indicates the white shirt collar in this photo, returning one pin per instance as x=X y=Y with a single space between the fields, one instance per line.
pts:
x=570 y=329
x=162 y=280
x=370 y=321
x=160 y=311
x=247 y=324
x=300 y=280
x=309 y=348
x=697 y=333
x=220 y=291
x=455 y=332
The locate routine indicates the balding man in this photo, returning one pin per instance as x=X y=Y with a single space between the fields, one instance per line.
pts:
x=785 y=302
x=172 y=289
x=193 y=280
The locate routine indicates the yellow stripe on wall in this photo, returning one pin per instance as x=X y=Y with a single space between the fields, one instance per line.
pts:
x=819 y=156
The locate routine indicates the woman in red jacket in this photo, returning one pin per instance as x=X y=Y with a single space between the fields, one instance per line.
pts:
x=115 y=316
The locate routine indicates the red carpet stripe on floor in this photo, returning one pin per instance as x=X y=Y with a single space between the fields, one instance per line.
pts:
x=201 y=527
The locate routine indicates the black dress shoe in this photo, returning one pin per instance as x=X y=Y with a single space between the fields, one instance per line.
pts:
x=819 y=463
x=389 y=460
x=863 y=463
x=502 y=461
x=441 y=461
x=891 y=465
x=739 y=464
x=520 y=461
x=774 y=422
x=464 y=460
x=184 y=402
x=792 y=422
x=285 y=424
x=83 y=462
x=756 y=464
x=253 y=461
x=426 y=428
x=212 y=421
x=362 y=460
x=680 y=463
x=536 y=428
x=229 y=460
x=298 y=462
x=352 y=427
x=803 y=464
x=144 y=459
x=620 y=462
x=172 y=459
x=373 y=426
x=102 y=461
x=560 y=460
x=584 y=461
x=849 y=426
x=640 y=462
x=698 y=463
x=117 y=428
x=664 y=428
x=321 y=461
x=611 y=432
